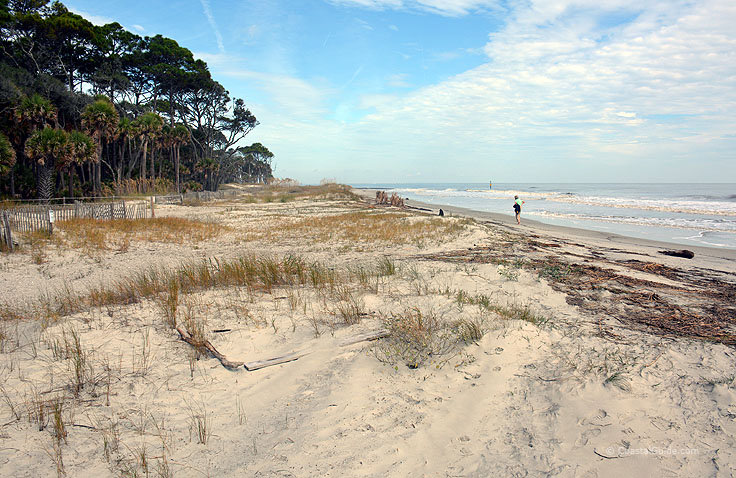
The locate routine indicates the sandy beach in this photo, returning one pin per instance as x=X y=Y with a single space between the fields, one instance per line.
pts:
x=417 y=345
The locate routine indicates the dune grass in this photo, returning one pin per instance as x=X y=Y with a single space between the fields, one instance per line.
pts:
x=366 y=226
x=117 y=234
x=283 y=193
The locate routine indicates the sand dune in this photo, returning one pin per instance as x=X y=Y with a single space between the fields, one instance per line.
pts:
x=561 y=380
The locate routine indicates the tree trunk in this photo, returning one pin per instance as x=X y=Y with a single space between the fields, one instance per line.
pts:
x=71 y=181
x=98 y=177
x=45 y=183
x=153 y=160
x=97 y=169
x=143 y=159
x=119 y=164
x=176 y=170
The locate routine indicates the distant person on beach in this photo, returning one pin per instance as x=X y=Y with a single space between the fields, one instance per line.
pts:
x=517 y=208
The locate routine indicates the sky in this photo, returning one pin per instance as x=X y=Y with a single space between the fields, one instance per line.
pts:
x=421 y=91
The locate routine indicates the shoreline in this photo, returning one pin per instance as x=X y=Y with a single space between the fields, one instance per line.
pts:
x=714 y=257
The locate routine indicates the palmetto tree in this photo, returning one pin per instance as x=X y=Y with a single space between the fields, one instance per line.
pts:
x=35 y=112
x=81 y=149
x=7 y=155
x=46 y=147
x=148 y=126
x=31 y=113
x=100 y=120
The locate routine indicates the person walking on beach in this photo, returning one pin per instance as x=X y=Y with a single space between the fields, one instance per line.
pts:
x=517 y=208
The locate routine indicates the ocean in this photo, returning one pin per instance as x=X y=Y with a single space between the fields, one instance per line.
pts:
x=687 y=214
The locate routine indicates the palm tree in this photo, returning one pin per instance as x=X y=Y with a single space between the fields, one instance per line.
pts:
x=31 y=113
x=35 y=112
x=149 y=126
x=7 y=155
x=100 y=119
x=46 y=146
x=81 y=149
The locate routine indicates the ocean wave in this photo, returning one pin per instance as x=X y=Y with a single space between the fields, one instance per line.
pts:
x=688 y=206
x=720 y=208
x=696 y=224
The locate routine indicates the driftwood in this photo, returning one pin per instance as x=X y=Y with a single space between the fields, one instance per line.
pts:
x=394 y=200
x=186 y=337
x=290 y=357
x=683 y=253
x=419 y=208
x=375 y=335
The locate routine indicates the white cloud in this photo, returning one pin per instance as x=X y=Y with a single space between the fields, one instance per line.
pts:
x=100 y=20
x=213 y=24
x=94 y=19
x=570 y=88
x=398 y=80
x=441 y=7
x=289 y=96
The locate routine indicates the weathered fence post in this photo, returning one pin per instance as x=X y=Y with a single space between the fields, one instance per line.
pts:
x=8 y=235
x=153 y=212
x=125 y=211
x=112 y=211
x=51 y=221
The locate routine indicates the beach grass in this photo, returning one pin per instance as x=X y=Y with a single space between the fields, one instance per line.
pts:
x=117 y=234
x=364 y=226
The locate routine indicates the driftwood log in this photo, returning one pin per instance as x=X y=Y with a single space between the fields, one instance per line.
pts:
x=206 y=345
x=683 y=253
x=289 y=357
x=393 y=200
x=375 y=335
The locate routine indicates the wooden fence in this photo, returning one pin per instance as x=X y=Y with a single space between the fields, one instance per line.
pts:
x=170 y=199
x=42 y=217
x=211 y=195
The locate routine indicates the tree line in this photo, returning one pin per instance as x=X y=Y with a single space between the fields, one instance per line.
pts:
x=89 y=110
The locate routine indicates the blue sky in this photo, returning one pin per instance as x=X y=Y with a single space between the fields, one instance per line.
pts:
x=387 y=91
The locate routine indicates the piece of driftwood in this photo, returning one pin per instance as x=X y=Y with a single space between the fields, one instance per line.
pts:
x=683 y=253
x=290 y=357
x=186 y=337
x=375 y=335
x=419 y=208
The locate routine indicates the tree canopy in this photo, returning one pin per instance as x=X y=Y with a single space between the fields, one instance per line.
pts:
x=152 y=112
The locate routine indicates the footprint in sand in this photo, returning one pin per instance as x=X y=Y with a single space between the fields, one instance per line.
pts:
x=586 y=436
x=599 y=418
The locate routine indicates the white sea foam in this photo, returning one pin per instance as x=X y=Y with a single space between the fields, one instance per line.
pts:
x=698 y=224
x=704 y=207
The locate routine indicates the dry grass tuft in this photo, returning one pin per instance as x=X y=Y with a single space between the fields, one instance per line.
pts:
x=417 y=337
x=367 y=226
x=91 y=234
x=288 y=193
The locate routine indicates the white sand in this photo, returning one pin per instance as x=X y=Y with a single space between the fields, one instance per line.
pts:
x=526 y=400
